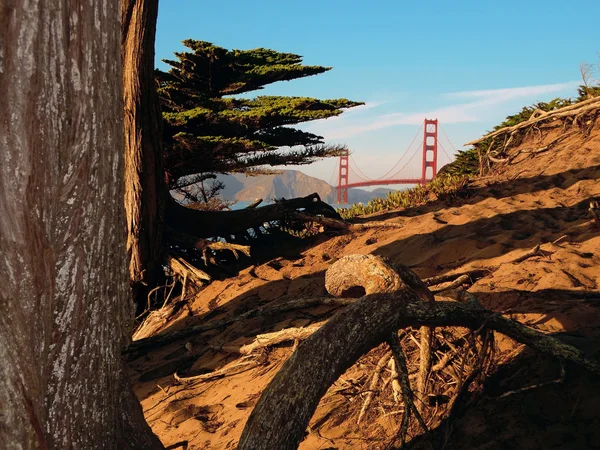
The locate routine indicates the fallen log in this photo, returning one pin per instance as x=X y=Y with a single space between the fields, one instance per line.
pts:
x=206 y=224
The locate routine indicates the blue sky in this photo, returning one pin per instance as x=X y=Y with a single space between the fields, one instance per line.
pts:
x=467 y=63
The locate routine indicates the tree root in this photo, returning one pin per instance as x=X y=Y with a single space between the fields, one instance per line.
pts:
x=460 y=278
x=407 y=394
x=203 y=245
x=279 y=419
x=595 y=212
x=536 y=251
x=233 y=369
x=209 y=224
x=396 y=389
x=475 y=273
x=255 y=203
x=542 y=149
x=559 y=380
x=376 y=275
x=456 y=283
x=373 y=385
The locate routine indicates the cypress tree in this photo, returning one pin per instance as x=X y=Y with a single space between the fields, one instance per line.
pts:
x=207 y=131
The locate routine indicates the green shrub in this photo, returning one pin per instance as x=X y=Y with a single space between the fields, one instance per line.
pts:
x=445 y=187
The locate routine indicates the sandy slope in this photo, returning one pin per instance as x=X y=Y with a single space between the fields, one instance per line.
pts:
x=536 y=200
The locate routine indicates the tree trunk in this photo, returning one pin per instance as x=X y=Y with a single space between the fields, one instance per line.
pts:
x=62 y=231
x=145 y=186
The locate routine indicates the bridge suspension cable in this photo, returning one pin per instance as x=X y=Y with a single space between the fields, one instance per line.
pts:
x=363 y=177
x=407 y=162
x=448 y=139
x=429 y=146
x=402 y=157
x=357 y=175
x=444 y=150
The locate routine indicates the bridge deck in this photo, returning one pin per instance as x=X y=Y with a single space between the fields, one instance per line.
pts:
x=383 y=182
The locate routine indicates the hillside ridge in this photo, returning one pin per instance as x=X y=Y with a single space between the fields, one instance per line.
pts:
x=288 y=184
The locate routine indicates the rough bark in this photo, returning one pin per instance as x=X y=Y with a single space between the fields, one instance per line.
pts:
x=62 y=230
x=281 y=415
x=145 y=187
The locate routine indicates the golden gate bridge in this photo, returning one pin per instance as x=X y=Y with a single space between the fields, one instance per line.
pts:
x=417 y=169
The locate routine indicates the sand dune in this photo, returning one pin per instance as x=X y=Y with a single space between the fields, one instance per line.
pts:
x=539 y=199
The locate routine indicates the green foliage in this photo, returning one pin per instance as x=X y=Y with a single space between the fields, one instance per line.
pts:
x=586 y=92
x=466 y=163
x=445 y=187
x=207 y=132
x=527 y=111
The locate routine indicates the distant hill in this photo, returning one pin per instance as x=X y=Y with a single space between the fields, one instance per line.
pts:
x=288 y=184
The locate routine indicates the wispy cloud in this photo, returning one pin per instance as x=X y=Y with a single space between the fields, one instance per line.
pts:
x=475 y=106
x=511 y=93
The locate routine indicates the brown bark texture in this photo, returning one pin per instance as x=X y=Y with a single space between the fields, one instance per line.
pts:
x=145 y=186
x=62 y=230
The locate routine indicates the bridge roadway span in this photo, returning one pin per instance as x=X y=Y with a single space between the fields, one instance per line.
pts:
x=383 y=182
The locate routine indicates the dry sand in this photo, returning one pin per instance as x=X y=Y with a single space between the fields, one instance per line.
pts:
x=537 y=199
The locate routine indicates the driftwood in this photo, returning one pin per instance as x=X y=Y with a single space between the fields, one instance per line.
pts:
x=144 y=345
x=233 y=369
x=281 y=416
x=277 y=337
x=186 y=272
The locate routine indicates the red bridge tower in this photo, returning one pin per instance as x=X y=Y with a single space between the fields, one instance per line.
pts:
x=342 y=191
x=430 y=144
x=429 y=159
